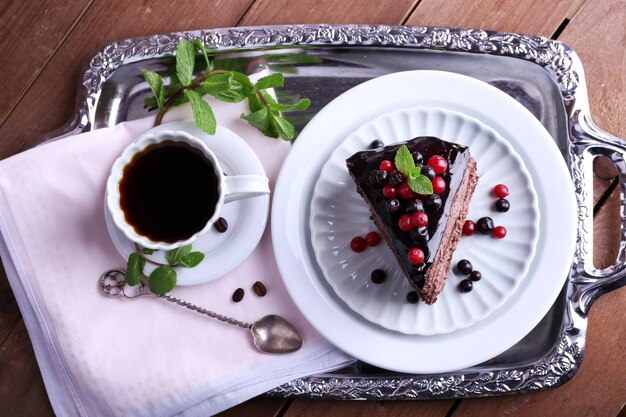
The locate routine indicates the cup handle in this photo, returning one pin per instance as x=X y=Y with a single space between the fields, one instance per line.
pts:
x=238 y=187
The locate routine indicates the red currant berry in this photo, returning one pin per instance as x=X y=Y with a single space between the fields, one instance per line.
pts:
x=416 y=256
x=439 y=185
x=372 y=239
x=405 y=222
x=386 y=165
x=358 y=244
x=419 y=219
x=499 y=232
x=405 y=192
x=438 y=163
x=500 y=191
x=389 y=191
x=469 y=228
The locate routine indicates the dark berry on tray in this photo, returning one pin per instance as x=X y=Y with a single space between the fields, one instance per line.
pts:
x=416 y=256
x=413 y=297
x=396 y=178
x=386 y=165
x=439 y=185
x=405 y=192
x=405 y=222
x=432 y=203
x=372 y=239
x=500 y=191
x=428 y=171
x=476 y=276
x=484 y=225
x=469 y=228
x=378 y=276
x=420 y=235
x=376 y=144
x=438 y=163
x=392 y=206
x=464 y=266
x=466 y=285
x=418 y=158
x=420 y=219
x=499 y=232
x=358 y=244
x=502 y=205
x=414 y=205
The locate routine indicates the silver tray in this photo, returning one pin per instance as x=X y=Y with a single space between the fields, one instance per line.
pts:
x=323 y=61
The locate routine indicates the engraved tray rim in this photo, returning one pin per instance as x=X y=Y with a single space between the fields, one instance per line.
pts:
x=585 y=283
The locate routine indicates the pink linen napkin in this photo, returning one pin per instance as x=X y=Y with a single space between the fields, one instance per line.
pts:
x=143 y=357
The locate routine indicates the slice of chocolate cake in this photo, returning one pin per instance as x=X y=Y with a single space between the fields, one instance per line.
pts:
x=422 y=229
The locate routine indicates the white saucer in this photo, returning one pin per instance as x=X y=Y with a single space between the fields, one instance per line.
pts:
x=338 y=213
x=246 y=218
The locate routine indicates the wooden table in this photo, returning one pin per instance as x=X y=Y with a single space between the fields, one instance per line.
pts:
x=43 y=45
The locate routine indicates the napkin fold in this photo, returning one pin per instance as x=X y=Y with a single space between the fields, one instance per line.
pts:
x=143 y=357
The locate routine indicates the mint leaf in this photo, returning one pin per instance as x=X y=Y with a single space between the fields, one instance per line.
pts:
x=415 y=172
x=420 y=184
x=148 y=251
x=185 y=60
x=191 y=259
x=270 y=81
x=134 y=269
x=404 y=160
x=299 y=106
x=247 y=86
x=156 y=85
x=198 y=43
x=174 y=256
x=226 y=87
x=284 y=129
x=259 y=119
x=162 y=280
x=216 y=84
x=150 y=103
x=255 y=103
x=202 y=112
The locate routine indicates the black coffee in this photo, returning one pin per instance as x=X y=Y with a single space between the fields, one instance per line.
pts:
x=168 y=191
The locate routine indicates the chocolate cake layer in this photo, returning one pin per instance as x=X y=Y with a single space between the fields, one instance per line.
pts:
x=440 y=237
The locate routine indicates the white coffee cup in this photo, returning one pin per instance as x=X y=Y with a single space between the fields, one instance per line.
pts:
x=229 y=188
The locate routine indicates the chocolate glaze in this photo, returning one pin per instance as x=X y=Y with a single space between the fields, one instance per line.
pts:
x=362 y=163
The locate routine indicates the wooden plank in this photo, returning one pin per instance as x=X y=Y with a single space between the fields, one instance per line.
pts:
x=22 y=392
x=268 y=12
x=257 y=407
x=533 y=17
x=50 y=101
x=314 y=408
x=30 y=33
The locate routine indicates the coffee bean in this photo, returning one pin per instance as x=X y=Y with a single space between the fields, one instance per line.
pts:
x=238 y=295
x=221 y=225
x=259 y=289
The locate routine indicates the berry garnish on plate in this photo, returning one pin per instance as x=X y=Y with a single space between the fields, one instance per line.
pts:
x=500 y=191
x=476 y=276
x=499 y=232
x=438 y=163
x=502 y=205
x=358 y=244
x=466 y=285
x=372 y=239
x=465 y=267
x=484 y=225
x=412 y=297
x=378 y=276
x=376 y=144
x=469 y=228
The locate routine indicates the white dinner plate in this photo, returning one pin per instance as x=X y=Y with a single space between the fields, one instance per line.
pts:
x=246 y=219
x=338 y=213
x=415 y=353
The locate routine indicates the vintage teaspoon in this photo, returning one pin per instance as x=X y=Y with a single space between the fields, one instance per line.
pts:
x=271 y=334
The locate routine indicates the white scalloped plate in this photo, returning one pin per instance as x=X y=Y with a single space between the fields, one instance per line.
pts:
x=338 y=214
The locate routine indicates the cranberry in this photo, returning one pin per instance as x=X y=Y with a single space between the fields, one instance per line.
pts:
x=376 y=144
x=396 y=178
x=389 y=191
x=499 y=232
x=405 y=192
x=386 y=165
x=372 y=239
x=439 y=185
x=428 y=171
x=500 y=191
x=420 y=219
x=358 y=244
x=416 y=256
x=438 y=163
x=466 y=285
x=392 y=205
x=502 y=205
x=469 y=228
x=405 y=223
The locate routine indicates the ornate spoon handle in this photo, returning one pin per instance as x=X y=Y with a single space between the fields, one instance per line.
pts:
x=204 y=311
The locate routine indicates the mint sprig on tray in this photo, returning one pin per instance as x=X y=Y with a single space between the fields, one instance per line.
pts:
x=224 y=85
x=405 y=163
x=163 y=279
